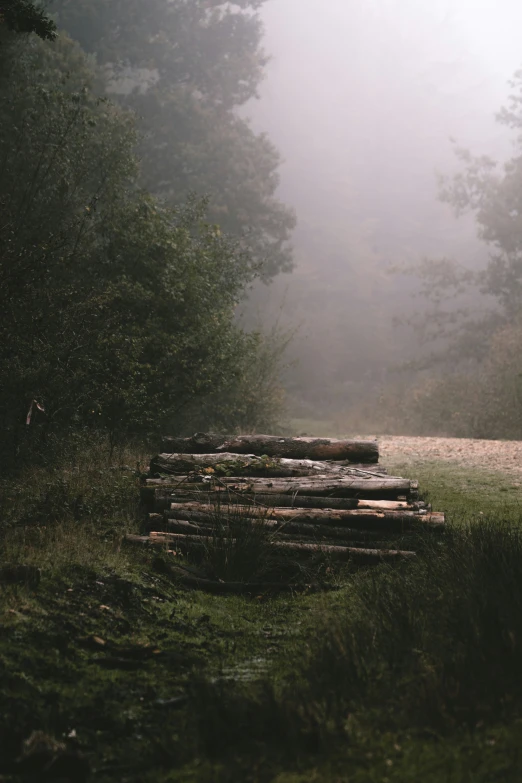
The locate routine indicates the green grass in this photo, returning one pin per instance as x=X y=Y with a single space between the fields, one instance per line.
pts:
x=402 y=674
x=465 y=494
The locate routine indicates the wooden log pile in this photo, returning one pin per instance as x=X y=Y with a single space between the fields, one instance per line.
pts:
x=310 y=495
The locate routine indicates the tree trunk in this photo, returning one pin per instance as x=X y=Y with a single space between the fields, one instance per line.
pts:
x=275 y=446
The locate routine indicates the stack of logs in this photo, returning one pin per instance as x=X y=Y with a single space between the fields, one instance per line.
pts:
x=314 y=494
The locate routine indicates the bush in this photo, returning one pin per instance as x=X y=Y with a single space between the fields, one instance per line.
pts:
x=118 y=314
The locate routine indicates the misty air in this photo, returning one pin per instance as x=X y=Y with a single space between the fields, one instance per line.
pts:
x=260 y=391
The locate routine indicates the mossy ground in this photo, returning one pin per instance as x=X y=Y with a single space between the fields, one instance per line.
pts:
x=151 y=682
x=105 y=657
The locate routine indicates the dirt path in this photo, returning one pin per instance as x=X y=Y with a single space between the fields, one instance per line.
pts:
x=497 y=455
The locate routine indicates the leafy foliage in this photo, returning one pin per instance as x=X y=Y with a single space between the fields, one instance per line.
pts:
x=185 y=68
x=118 y=312
x=22 y=16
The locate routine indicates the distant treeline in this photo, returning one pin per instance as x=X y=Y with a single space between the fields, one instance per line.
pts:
x=454 y=364
x=469 y=381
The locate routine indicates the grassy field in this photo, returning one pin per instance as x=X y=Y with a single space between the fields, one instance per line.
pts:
x=465 y=494
x=112 y=672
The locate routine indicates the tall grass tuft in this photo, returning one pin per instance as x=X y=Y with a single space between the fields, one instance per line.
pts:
x=239 y=547
x=430 y=647
x=439 y=642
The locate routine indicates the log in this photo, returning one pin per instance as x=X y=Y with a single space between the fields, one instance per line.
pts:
x=281 y=529
x=160 y=499
x=393 y=505
x=363 y=555
x=243 y=465
x=304 y=448
x=276 y=446
x=156 y=521
x=387 y=488
x=358 y=469
x=359 y=518
x=351 y=468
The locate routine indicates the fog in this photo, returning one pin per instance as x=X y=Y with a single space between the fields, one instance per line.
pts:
x=371 y=106
x=365 y=102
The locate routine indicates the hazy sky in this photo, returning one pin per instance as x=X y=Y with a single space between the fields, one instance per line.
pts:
x=493 y=29
x=314 y=41
x=361 y=98
x=373 y=90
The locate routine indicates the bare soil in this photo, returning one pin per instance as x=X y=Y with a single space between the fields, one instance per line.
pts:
x=504 y=456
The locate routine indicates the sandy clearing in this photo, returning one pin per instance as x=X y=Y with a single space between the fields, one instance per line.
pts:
x=504 y=456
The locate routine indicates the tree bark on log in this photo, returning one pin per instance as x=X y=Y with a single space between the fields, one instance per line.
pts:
x=243 y=465
x=332 y=486
x=276 y=446
x=358 y=518
x=160 y=499
x=351 y=468
x=304 y=448
x=362 y=555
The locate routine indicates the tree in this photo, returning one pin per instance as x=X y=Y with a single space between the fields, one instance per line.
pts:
x=185 y=68
x=474 y=319
x=491 y=192
x=494 y=194
x=117 y=312
x=22 y=16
